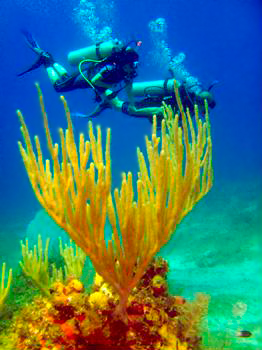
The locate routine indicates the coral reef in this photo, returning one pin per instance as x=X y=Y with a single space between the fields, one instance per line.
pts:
x=129 y=306
x=72 y=319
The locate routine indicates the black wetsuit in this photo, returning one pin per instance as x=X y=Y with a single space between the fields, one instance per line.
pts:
x=189 y=100
x=112 y=74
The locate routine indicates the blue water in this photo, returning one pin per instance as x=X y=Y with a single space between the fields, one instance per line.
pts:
x=222 y=41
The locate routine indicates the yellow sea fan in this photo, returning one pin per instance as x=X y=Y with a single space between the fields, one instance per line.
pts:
x=75 y=189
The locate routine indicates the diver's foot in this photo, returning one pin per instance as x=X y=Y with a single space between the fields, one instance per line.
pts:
x=206 y=95
x=45 y=58
x=99 y=109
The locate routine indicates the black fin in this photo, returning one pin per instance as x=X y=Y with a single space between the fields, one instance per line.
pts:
x=30 y=40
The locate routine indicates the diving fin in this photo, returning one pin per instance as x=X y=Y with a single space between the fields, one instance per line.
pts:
x=34 y=66
x=100 y=108
x=78 y=115
x=45 y=58
x=215 y=82
x=31 y=42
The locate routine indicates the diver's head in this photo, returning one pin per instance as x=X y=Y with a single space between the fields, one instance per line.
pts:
x=129 y=63
x=206 y=95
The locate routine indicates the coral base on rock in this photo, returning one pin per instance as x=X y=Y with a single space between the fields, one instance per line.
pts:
x=74 y=320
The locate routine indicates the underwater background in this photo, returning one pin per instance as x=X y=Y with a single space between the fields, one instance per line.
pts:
x=216 y=248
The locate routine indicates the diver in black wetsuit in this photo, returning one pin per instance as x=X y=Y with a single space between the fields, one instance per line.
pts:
x=188 y=98
x=114 y=68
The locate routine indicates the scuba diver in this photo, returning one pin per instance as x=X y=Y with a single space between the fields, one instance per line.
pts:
x=151 y=95
x=107 y=65
x=110 y=67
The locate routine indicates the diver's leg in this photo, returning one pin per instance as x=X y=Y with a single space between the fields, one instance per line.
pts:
x=129 y=108
x=64 y=82
x=55 y=71
x=146 y=112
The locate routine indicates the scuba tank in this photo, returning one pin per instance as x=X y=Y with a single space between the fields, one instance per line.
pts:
x=157 y=88
x=94 y=52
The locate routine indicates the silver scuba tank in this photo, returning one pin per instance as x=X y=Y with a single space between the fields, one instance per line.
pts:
x=153 y=88
x=94 y=52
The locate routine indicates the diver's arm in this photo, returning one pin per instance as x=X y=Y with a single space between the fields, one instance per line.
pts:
x=115 y=102
x=130 y=96
x=97 y=80
x=128 y=108
x=143 y=112
x=107 y=102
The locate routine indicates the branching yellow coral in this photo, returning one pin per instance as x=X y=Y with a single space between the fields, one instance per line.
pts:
x=4 y=289
x=35 y=265
x=74 y=259
x=76 y=192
